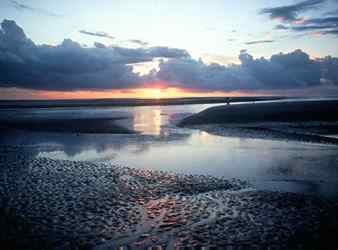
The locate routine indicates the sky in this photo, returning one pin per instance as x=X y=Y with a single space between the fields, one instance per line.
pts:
x=159 y=48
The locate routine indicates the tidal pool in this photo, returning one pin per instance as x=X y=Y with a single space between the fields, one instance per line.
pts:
x=160 y=145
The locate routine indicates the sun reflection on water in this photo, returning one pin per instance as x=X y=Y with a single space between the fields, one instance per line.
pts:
x=148 y=121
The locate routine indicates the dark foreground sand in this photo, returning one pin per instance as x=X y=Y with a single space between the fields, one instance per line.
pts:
x=48 y=204
x=307 y=121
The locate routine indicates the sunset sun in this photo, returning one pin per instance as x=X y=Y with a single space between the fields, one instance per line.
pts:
x=156 y=93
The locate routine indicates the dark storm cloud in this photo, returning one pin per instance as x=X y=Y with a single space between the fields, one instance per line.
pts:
x=99 y=34
x=189 y=73
x=294 y=69
x=24 y=7
x=330 y=70
x=70 y=66
x=290 y=13
x=281 y=71
x=259 y=42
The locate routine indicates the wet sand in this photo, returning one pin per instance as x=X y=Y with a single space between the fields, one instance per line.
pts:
x=49 y=203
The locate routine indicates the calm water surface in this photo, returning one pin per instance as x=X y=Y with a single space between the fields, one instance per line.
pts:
x=160 y=145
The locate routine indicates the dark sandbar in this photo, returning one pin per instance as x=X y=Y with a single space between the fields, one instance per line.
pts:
x=80 y=125
x=298 y=111
x=308 y=121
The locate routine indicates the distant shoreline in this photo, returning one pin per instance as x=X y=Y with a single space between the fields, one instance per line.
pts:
x=7 y=104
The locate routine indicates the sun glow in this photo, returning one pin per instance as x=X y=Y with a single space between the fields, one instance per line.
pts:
x=154 y=91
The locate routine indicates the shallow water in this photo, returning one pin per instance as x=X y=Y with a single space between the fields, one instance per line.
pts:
x=270 y=165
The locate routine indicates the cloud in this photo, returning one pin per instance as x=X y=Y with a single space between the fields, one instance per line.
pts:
x=281 y=27
x=189 y=73
x=259 y=42
x=328 y=25
x=24 y=7
x=305 y=27
x=138 y=42
x=332 y=12
x=99 y=34
x=161 y=51
x=132 y=55
x=290 y=13
x=325 y=26
x=70 y=66
x=333 y=20
x=293 y=70
x=330 y=32
x=99 y=45
x=330 y=70
x=311 y=27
